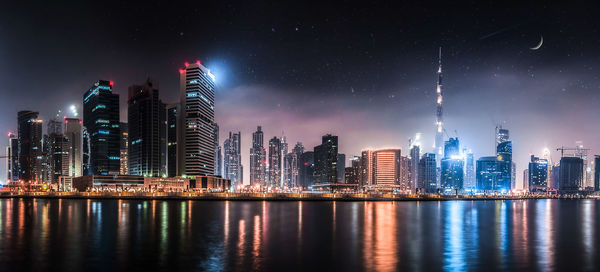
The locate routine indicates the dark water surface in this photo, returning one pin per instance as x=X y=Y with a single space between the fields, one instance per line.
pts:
x=118 y=235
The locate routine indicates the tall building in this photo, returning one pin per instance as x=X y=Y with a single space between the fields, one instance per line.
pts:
x=124 y=148
x=55 y=127
x=555 y=177
x=415 y=155
x=12 y=160
x=218 y=153
x=86 y=148
x=504 y=158
x=30 y=146
x=284 y=170
x=502 y=135
x=526 y=179
x=195 y=141
x=352 y=173
x=172 y=115
x=59 y=157
x=46 y=158
x=233 y=159
x=366 y=168
x=439 y=120
x=452 y=167
x=341 y=166
x=491 y=175
x=147 y=131
x=73 y=132
x=427 y=174
x=306 y=169
x=386 y=167
x=405 y=180
x=570 y=175
x=258 y=159
x=469 y=171
x=101 y=119
x=596 y=173
x=292 y=168
x=537 y=175
x=275 y=162
x=326 y=156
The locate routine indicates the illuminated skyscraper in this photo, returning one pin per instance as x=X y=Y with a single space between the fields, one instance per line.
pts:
x=469 y=171
x=258 y=159
x=30 y=146
x=326 y=156
x=101 y=119
x=452 y=173
x=12 y=160
x=596 y=173
x=146 y=125
x=274 y=162
x=124 y=148
x=233 y=158
x=195 y=140
x=172 y=112
x=73 y=131
x=427 y=174
x=439 y=121
x=537 y=175
x=218 y=153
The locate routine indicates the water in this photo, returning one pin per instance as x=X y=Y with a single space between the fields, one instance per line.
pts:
x=111 y=235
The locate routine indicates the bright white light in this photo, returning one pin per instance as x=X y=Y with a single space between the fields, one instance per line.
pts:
x=73 y=109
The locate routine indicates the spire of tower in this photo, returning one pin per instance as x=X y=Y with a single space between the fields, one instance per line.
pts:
x=439 y=139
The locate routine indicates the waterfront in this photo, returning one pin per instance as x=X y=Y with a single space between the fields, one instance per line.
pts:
x=101 y=234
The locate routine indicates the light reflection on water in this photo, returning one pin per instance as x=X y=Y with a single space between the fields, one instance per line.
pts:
x=42 y=234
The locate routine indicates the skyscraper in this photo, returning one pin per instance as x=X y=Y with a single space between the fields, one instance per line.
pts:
x=341 y=166
x=469 y=171
x=491 y=175
x=439 y=120
x=452 y=172
x=386 y=167
x=258 y=159
x=59 y=157
x=146 y=125
x=101 y=119
x=570 y=175
x=427 y=173
x=124 y=148
x=326 y=156
x=275 y=162
x=30 y=146
x=415 y=155
x=306 y=169
x=233 y=158
x=537 y=175
x=196 y=126
x=172 y=113
x=504 y=158
x=596 y=173
x=12 y=160
x=73 y=131
x=366 y=168
x=352 y=173
x=218 y=154
x=292 y=160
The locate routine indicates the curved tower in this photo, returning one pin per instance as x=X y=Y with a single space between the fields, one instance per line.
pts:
x=439 y=139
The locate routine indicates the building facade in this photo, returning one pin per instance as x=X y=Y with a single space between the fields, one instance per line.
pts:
x=275 y=162
x=30 y=146
x=570 y=175
x=233 y=158
x=73 y=132
x=101 y=119
x=326 y=157
x=537 y=175
x=427 y=174
x=258 y=159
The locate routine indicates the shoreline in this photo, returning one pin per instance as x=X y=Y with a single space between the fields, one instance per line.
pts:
x=269 y=196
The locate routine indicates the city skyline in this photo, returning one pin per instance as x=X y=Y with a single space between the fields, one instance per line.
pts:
x=388 y=88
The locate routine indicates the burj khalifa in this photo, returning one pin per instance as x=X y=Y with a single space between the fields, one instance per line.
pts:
x=438 y=146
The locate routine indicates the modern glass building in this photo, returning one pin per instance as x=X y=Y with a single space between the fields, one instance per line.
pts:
x=491 y=175
x=537 y=174
x=233 y=158
x=146 y=125
x=427 y=174
x=258 y=159
x=12 y=160
x=275 y=162
x=452 y=167
x=570 y=175
x=101 y=119
x=73 y=131
x=172 y=113
x=326 y=156
x=30 y=146
x=195 y=141
x=306 y=169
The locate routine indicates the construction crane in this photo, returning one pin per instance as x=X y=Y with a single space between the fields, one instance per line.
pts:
x=577 y=151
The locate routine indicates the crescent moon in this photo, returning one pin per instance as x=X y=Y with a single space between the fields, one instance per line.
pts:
x=539 y=44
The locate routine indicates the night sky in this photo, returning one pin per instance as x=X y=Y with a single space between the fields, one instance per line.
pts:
x=365 y=71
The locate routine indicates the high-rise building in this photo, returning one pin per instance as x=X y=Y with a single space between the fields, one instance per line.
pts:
x=596 y=173
x=284 y=163
x=30 y=146
x=59 y=157
x=124 y=148
x=491 y=175
x=555 y=177
x=47 y=141
x=258 y=159
x=366 y=168
x=502 y=135
x=405 y=180
x=537 y=175
x=306 y=169
x=386 y=167
x=101 y=119
x=427 y=174
x=341 y=166
x=73 y=132
x=196 y=123
x=469 y=171
x=275 y=162
x=54 y=127
x=292 y=160
x=233 y=159
x=326 y=156
x=12 y=160
x=218 y=154
x=439 y=120
x=147 y=131
x=352 y=173
x=415 y=155
x=452 y=167
x=570 y=175
x=86 y=148
x=173 y=111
